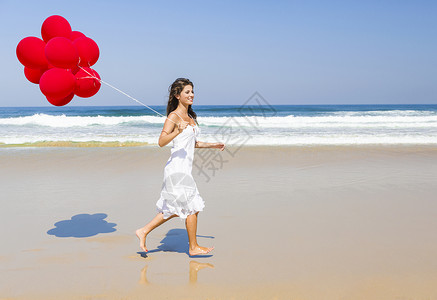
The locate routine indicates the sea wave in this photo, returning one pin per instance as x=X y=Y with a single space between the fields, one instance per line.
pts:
x=346 y=119
x=97 y=127
x=323 y=121
x=77 y=121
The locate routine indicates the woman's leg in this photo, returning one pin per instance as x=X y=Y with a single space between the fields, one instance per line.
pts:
x=195 y=249
x=144 y=231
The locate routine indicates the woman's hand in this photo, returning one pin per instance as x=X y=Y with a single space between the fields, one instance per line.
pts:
x=200 y=144
x=220 y=146
x=181 y=126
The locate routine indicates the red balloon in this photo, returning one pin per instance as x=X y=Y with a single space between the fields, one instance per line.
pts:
x=33 y=75
x=61 y=53
x=57 y=83
x=62 y=101
x=87 y=85
x=75 y=70
x=30 y=52
x=88 y=51
x=76 y=35
x=55 y=26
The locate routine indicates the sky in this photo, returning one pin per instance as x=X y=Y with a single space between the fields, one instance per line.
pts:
x=291 y=52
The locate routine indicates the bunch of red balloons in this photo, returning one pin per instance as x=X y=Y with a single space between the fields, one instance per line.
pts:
x=60 y=62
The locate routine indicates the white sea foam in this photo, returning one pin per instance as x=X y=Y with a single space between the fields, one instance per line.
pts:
x=77 y=121
x=336 y=128
x=323 y=121
x=388 y=120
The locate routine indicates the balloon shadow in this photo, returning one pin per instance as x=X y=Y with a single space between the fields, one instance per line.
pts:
x=82 y=225
x=176 y=240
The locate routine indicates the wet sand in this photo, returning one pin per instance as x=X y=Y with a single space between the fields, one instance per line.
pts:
x=286 y=223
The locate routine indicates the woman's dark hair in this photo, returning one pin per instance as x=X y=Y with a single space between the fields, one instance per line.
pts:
x=175 y=89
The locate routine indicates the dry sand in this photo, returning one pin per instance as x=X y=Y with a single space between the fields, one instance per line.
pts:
x=286 y=223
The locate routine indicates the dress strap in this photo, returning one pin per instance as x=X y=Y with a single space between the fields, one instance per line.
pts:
x=178 y=115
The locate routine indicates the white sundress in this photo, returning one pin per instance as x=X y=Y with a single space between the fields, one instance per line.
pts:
x=179 y=194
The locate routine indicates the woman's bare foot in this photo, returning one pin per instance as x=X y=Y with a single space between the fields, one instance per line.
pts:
x=200 y=250
x=141 y=234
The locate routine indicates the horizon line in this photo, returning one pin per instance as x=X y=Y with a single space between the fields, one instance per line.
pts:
x=237 y=105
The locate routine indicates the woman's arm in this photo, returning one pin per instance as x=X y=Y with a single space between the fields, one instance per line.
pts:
x=200 y=144
x=171 y=130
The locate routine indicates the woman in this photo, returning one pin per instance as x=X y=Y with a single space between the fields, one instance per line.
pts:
x=179 y=194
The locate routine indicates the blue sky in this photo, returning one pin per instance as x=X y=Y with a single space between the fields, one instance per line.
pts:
x=291 y=52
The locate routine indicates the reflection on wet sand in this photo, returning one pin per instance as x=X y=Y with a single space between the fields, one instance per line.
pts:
x=143 y=276
x=194 y=268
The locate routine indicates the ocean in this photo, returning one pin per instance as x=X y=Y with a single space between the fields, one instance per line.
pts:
x=250 y=124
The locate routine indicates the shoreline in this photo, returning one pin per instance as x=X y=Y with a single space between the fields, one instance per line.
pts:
x=116 y=144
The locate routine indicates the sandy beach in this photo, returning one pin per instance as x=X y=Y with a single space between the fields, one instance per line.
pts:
x=315 y=222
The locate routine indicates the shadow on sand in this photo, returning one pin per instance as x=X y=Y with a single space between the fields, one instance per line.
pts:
x=82 y=225
x=176 y=240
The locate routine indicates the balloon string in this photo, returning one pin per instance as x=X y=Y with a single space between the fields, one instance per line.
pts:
x=120 y=91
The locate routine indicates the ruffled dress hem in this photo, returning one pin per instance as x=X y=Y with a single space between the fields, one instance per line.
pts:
x=197 y=205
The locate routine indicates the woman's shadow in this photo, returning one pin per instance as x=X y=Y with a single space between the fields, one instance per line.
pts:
x=176 y=240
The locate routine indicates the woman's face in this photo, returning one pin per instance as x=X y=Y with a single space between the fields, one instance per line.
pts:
x=187 y=95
